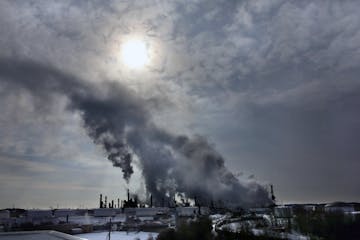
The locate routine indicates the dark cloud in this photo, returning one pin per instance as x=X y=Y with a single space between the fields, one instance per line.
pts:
x=117 y=120
x=274 y=84
x=284 y=74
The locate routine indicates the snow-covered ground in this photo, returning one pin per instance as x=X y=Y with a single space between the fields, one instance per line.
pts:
x=119 y=235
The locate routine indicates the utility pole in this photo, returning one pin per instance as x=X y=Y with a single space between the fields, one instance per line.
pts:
x=109 y=235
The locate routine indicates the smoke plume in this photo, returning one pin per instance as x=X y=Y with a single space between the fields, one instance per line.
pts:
x=118 y=120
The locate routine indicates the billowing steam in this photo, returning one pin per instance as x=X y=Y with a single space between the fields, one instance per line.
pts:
x=118 y=121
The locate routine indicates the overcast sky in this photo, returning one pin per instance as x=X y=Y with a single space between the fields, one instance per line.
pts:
x=273 y=85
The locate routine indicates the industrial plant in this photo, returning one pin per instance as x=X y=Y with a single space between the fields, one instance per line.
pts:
x=133 y=215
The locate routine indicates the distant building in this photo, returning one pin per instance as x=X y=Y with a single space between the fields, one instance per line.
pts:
x=283 y=212
x=39 y=216
x=64 y=212
x=149 y=211
x=4 y=218
x=310 y=207
x=260 y=210
x=104 y=212
x=4 y=214
x=39 y=213
x=187 y=211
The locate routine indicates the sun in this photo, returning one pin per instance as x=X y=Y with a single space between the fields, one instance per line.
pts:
x=134 y=54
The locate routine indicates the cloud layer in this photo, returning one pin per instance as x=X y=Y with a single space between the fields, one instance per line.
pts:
x=273 y=84
x=118 y=121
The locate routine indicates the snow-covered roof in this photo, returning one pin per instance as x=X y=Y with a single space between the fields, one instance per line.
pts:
x=37 y=235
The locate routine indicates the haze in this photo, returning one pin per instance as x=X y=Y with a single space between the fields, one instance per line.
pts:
x=273 y=87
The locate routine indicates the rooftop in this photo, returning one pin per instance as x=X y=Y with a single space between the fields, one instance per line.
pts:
x=37 y=235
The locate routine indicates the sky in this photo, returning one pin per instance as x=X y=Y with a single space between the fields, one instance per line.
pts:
x=273 y=87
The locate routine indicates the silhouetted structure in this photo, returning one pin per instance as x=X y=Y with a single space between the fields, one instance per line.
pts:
x=101 y=203
x=130 y=203
x=272 y=193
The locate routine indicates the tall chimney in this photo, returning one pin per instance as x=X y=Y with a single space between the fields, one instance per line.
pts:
x=128 y=193
x=101 y=202
x=112 y=203
x=118 y=206
x=151 y=201
x=272 y=192
x=105 y=202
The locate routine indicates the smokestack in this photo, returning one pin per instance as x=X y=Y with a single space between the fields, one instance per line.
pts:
x=151 y=201
x=272 y=192
x=128 y=195
x=105 y=202
x=118 y=206
x=112 y=203
x=101 y=202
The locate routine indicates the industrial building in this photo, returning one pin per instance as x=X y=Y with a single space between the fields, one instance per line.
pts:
x=121 y=215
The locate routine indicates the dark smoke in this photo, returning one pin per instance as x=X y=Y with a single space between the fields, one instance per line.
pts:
x=118 y=121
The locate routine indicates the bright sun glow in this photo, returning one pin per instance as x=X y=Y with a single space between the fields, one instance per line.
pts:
x=134 y=53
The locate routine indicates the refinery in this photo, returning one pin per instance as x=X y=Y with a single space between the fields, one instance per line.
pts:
x=133 y=215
